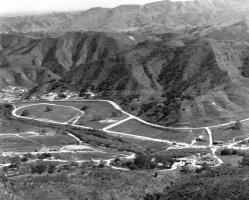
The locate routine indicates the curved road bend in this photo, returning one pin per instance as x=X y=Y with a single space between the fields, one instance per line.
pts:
x=130 y=116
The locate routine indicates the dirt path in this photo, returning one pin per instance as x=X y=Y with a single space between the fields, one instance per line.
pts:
x=130 y=116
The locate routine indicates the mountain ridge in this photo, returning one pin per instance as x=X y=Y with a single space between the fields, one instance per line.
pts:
x=178 y=16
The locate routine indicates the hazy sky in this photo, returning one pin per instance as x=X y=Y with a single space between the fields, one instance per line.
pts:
x=11 y=6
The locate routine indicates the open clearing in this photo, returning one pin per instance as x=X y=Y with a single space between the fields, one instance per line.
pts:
x=233 y=159
x=56 y=140
x=228 y=133
x=13 y=126
x=17 y=144
x=134 y=127
x=58 y=113
x=89 y=155
x=25 y=142
x=95 y=114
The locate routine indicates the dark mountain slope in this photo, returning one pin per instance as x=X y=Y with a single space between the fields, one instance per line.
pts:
x=178 y=78
x=189 y=77
x=26 y=57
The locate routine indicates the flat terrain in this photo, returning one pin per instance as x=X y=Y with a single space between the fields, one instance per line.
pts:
x=143 y=144
x=95 y=114
x=88 y=155
x=17 y=144
x=58 y=113
x=229 y=134
x=12 y=126
x=50 y=141
x=134 y=127
x=233 y=159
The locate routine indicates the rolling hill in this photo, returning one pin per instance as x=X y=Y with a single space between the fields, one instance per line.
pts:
x=155 y=17
x=178 y=62
x=179 y=78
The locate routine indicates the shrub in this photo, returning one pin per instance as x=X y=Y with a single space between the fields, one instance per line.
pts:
x=115 y=113
x=51 y=169
x=62 y=95
x=84 y=108
x=226 y=152
x=24 y=159
x=101 y=165
x=96 y=118
x=41 y=168
x=25 y=113
x=237 y=125
x=48 y=109
x=15 y=160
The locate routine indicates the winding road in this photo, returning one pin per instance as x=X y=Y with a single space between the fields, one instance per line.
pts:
x=130 y=116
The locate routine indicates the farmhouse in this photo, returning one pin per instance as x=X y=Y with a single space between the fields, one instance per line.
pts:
x=49 y=96
x=200 y=138
x=209 y=163
x=186 y=161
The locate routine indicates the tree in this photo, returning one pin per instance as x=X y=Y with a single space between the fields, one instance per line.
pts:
x=62 y=95
x=67 y=167
x=51 y=169
x=40 y=168
x=143 y=161
x=74 y=164
x=198 y=170
x=24 y=168
x=205 y=166
x=18 y=129
x=245 y=160
x=84 y=108
x=115 y=113
x=153 y=165
x=25 y=113
x=186 y=169
x=48 y=109
x=28 y=156
x=101 y=165
x=15 y=160
x=43 y=131
x=82 y=122
x=44 y=156
x=226 y=151
x=237 y=125
x=24 y=159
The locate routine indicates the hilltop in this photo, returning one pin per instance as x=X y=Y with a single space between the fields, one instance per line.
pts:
x=155 y=17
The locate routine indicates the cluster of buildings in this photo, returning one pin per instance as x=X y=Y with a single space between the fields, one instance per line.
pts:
x=196 y=161
x=12 y=93
x=64 y=95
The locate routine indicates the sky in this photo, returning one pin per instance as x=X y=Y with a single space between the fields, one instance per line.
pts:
x=26 y=6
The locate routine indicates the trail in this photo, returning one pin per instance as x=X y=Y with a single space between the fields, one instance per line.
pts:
x=214 y=155
x=130 y=116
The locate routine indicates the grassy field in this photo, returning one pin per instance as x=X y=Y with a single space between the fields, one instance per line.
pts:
x=58 y=113
x=134 y=127
x=12 y=126
x=233 y=159
x=89 y=155
x=55 y=140
x=16 y=144
x=227 y=133
x=144 y=144
x=95 y=113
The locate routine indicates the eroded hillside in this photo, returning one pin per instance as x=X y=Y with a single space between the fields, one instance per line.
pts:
x=182 y=79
